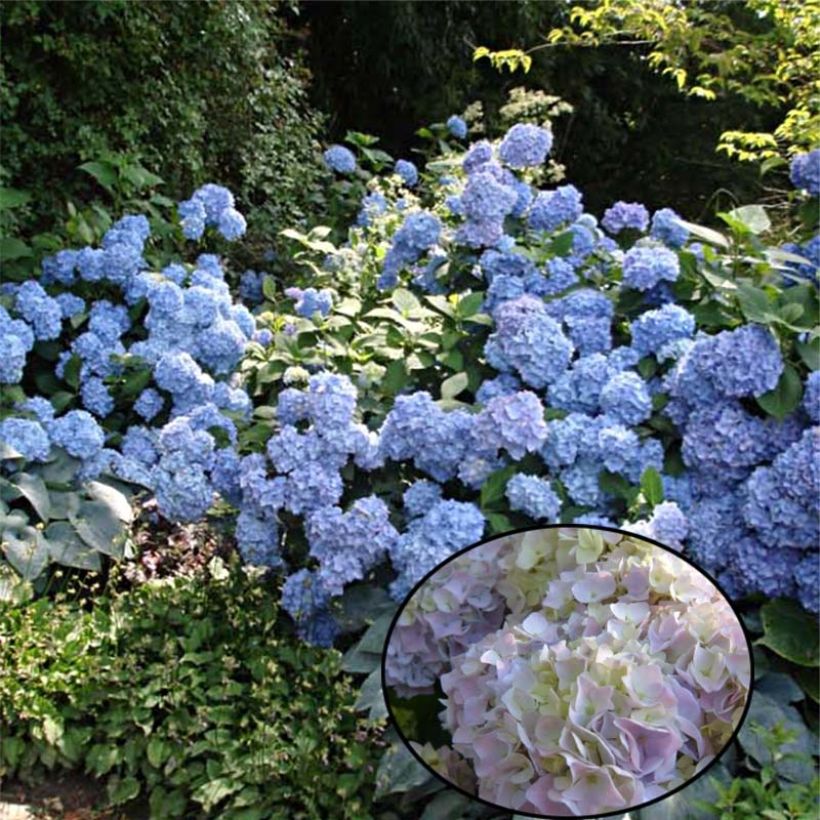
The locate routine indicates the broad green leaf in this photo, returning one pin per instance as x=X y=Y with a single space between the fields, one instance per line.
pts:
x=706 y=234
x=67 y=548
x=116 y=501
x=447 y=805
x=404 y=301
x=469 y=305
x=34 y=489
x=26 y=550
x=122 y=790
x=492 y=490
x=371 y=698
x=785 y=397
x=652 y=486
x=456 y=384
x=11 y=249
x=399 y=771
x=12 y=198
x=790 y=631
x=103 y=172
x=768 y=713
x=755 y=304
x=99 y=526
x=754 y=217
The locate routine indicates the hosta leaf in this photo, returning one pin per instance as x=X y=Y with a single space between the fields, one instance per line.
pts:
x=399 y=771
x=99 y=526
x=67 y=548
x=34 y=489
x=371 y=698
x=790 y=631
x=26 y=550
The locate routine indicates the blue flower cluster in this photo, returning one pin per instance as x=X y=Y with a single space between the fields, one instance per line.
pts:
x=625 y=216
x=211 y=206
x=408 y=172
x=457 y=127
x=340 y=159
x=418 y=233
x=805 y=172
x=310 y=301
x=534 y=497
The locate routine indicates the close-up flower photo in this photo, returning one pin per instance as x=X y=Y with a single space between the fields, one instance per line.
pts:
x=579 y=671
x=300 y=300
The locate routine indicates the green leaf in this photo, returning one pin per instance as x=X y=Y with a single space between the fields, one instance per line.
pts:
x=790 y=631
x=652 y=486
x=404 y=301
x=785 y=397
x=269 y=287
x=157 y=751
x=116 y=501
x=809 y=352
x=122 y=790
x=100 y=528
x=753 y=217
x=34 y=489
x=706 y=234
x=492 y=490
x=451 y=387
x=103 y=172
x=13 y=198
x=67 y=548
x=26 y=550
x=135 y=383
x=767 y=713
x=371 y=698
x=469 y=305
x=498 y=522
x=11 y=249
x=755 y=304
x=617 y=485
x=447 y=805
x=71 y=373
x=399 y=771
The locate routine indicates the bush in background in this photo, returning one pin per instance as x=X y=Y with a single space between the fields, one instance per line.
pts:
x=192 y=90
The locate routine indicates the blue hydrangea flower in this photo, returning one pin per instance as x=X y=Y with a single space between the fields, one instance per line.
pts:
x=420 y=496
x=193 y=215
x=579 y=388
x=533 y=496
x=310 y=301
x=552 y=209
x=78 y=433
x=70 y=305
x=560 y=275
x=485 y=202
x=653 y=330
x=43 y=313
x=373 y=204
x=525 y=146
x=340 y=159
x=626 y=398
x=303 y=595
x=148 y=404
x=184 y=494
x=250 y=287
x=419 y=232
x=502 y=385
x=447 y=527
x=666 y=228
x=804 y=172
x=231 y=224
x=529 y=342
x=645 y=266
x=59 y=268
x=807 y=578
x=479 y=154
x=96 y=398
x=457 y=127
x=514 y=423
x=25 y=436
x=258 y=540
x=625 y=215
x=408 y=172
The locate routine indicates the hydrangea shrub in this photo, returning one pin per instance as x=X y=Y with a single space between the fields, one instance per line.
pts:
x=582 y=671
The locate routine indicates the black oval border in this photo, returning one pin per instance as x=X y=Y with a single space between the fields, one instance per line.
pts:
x=505 y=534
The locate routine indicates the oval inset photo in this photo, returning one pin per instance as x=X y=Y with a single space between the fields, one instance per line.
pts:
x=567 y=671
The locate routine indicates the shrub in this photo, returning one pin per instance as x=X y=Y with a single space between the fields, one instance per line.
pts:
x=187 y=692
x=220 y=93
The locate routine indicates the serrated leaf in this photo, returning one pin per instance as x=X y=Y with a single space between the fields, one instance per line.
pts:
x=790 y=631
x=785 y=397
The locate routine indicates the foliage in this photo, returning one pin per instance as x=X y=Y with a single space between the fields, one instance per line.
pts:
x=763 y=51
x=186 y=692
x=57 y=518
x=631 y=135
x=219 y=93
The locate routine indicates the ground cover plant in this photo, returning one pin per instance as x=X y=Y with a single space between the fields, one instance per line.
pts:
x=580 y=671
x=474 y=353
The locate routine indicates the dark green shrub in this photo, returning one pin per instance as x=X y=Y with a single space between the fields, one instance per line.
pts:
x=195 y=91
x=185 y=691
